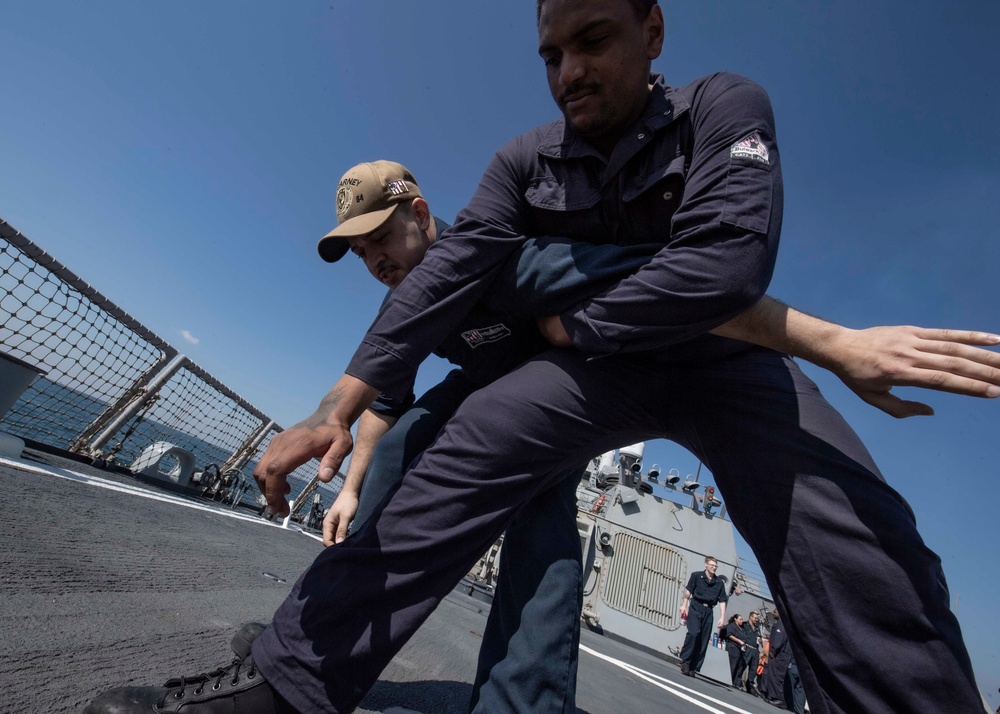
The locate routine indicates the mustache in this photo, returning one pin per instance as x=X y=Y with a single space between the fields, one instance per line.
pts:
x=382 y=268
x=577 y=88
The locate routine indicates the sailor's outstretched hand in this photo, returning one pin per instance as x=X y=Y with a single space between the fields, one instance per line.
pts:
x=325 y=434
x=873 y=361
x=292 y=448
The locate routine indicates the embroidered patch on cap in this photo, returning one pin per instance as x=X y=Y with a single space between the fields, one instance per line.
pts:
x=344 y=197
x=750 y=147
x=485 y=335
x=397 y=188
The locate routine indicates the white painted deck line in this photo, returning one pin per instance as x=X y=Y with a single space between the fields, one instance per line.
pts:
x=77 y=477
x=666 y=685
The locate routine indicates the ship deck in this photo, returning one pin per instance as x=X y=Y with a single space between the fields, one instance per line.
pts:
x=108 y=581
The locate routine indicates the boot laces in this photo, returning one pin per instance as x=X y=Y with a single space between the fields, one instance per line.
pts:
x=177 y=688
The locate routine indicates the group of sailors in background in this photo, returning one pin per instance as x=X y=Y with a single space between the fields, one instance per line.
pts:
x=763 y=667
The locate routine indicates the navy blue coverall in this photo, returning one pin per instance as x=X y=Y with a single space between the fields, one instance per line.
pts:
x=700 y=173
x=751 y=656
x=538 y=591
x=772 y=682
x=795 y=696
x=736 y=652
x=705 y=596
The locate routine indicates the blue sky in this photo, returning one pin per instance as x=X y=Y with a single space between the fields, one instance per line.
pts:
x=182 y=158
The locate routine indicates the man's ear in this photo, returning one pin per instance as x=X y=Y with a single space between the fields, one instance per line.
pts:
x=654 y=31
x=423 y=213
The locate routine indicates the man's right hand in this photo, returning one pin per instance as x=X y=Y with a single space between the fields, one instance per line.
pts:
x=339 y=517
x=325 y=435
x=294 y=447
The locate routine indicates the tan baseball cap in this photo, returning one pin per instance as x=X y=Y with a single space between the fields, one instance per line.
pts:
x=366 y=196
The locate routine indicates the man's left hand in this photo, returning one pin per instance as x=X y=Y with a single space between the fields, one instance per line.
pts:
x=871 y=362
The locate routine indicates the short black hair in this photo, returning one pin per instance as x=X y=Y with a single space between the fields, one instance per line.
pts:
x=641 y=8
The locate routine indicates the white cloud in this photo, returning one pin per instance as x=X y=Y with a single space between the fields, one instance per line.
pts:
x=188 y=337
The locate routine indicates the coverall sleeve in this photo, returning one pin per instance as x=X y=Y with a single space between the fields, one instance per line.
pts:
x=453 y=276
x=723 y=239
x=386 y=406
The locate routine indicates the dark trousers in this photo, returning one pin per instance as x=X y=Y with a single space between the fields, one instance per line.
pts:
x=406 y=440
x=531 y=645
x=795 y=696
x=699 y=632
x=530 y=651
x=800 y=487
x=737 y=663
x=772 y=682
x=751 y=658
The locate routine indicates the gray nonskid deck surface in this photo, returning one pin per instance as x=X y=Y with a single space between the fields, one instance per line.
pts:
x=102 y=588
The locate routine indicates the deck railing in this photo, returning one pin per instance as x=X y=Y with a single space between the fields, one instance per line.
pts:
x=110 y=387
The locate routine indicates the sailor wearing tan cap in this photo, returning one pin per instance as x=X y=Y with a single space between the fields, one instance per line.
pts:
x=384 y=219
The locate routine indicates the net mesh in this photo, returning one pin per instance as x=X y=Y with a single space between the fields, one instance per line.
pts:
x=97 y=361
x=89 y=357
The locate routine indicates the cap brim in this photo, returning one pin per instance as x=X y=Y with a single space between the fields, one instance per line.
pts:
x=333 y=246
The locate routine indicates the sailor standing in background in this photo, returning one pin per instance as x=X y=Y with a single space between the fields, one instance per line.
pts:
x=772 y=682
x=706 y=590
x=735 y=646
x=751 y=635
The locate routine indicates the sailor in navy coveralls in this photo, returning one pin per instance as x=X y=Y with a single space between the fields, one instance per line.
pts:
x=704 y=590
x=697 y=170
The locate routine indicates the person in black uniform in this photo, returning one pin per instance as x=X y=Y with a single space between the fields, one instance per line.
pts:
x=772 y=682
x=736 y=646
x=706 y=590
x=751 y=656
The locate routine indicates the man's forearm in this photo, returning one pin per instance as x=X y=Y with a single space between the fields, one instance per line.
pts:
x=371 y=428
x=773 y=324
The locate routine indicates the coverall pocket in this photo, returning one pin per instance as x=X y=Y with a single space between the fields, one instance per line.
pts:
x=749 y=189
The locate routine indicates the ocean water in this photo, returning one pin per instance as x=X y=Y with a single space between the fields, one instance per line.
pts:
x=55 y=415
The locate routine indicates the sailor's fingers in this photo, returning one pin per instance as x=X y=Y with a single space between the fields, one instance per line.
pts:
x=893 y=405
x=330 y=522
x=938 y=359
x=340 y=446
x=342 y=530
x=286 y=452
x=951 y=363
x=275 y=489
x=964 y=337
x=273 y=486
x=957 y=374
x=339 y=517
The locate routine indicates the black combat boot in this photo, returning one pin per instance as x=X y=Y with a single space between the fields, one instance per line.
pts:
x=236 y=688
x=243 y=639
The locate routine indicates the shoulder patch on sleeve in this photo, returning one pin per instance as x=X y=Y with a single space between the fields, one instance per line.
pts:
x=750 y=147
